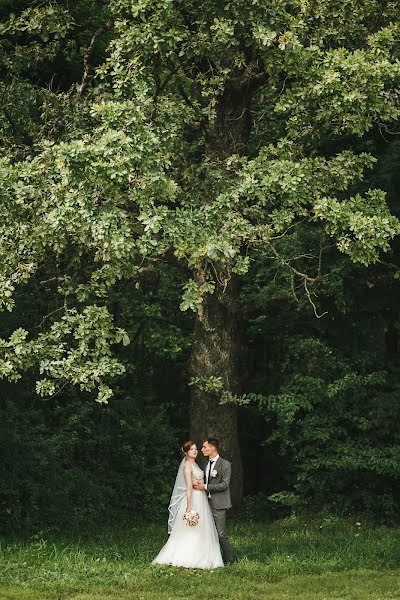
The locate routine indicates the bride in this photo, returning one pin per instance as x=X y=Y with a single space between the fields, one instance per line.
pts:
x=195 y=547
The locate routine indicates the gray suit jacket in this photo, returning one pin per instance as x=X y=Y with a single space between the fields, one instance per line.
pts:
x=218 y=486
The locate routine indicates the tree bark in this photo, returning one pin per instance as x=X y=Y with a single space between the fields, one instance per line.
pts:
x=215 y=350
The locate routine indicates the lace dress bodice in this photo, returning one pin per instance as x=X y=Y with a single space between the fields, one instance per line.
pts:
x=197 y=474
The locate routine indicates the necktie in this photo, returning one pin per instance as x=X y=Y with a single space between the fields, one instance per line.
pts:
x=209 y=470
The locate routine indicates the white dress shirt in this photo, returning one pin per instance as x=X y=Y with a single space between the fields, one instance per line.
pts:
x=213 y=461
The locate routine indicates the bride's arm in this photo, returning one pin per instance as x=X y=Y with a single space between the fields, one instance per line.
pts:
x=188 y=478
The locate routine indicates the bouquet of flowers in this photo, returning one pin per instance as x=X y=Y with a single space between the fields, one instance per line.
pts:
x=192 y=518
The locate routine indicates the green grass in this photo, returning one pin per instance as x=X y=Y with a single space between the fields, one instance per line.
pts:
x=289 y=559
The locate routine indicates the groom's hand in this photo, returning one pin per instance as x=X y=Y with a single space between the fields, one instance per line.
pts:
x=199 y=486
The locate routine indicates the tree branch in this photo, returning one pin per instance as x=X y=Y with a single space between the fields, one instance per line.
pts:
x=306 y=278
x=312 y=303
x=287 y=264
x=88 y=55
x=160 y=85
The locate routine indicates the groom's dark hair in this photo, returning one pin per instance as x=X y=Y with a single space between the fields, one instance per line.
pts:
x=213 y=442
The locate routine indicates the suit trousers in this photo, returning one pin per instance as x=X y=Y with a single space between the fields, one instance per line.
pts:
x=219 y=515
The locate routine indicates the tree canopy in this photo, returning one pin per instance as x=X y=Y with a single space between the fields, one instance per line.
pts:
x=215 y=139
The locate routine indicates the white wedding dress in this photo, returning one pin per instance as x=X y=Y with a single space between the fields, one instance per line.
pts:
x=192 y=547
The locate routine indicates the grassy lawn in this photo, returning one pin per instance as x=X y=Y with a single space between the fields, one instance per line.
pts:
x=324 y=560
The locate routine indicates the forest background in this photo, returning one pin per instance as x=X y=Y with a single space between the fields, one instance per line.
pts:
x=199 y=204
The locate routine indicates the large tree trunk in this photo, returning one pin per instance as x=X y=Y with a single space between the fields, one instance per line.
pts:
x=215 y=353
x=216 y=342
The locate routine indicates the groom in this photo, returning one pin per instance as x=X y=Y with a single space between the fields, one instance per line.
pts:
x=216 y=483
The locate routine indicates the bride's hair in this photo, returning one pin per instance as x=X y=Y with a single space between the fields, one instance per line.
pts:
x=186 y=447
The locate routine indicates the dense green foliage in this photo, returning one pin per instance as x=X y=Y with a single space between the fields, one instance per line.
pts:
x=124 y=202
x=69 y=461
x=328 y=388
